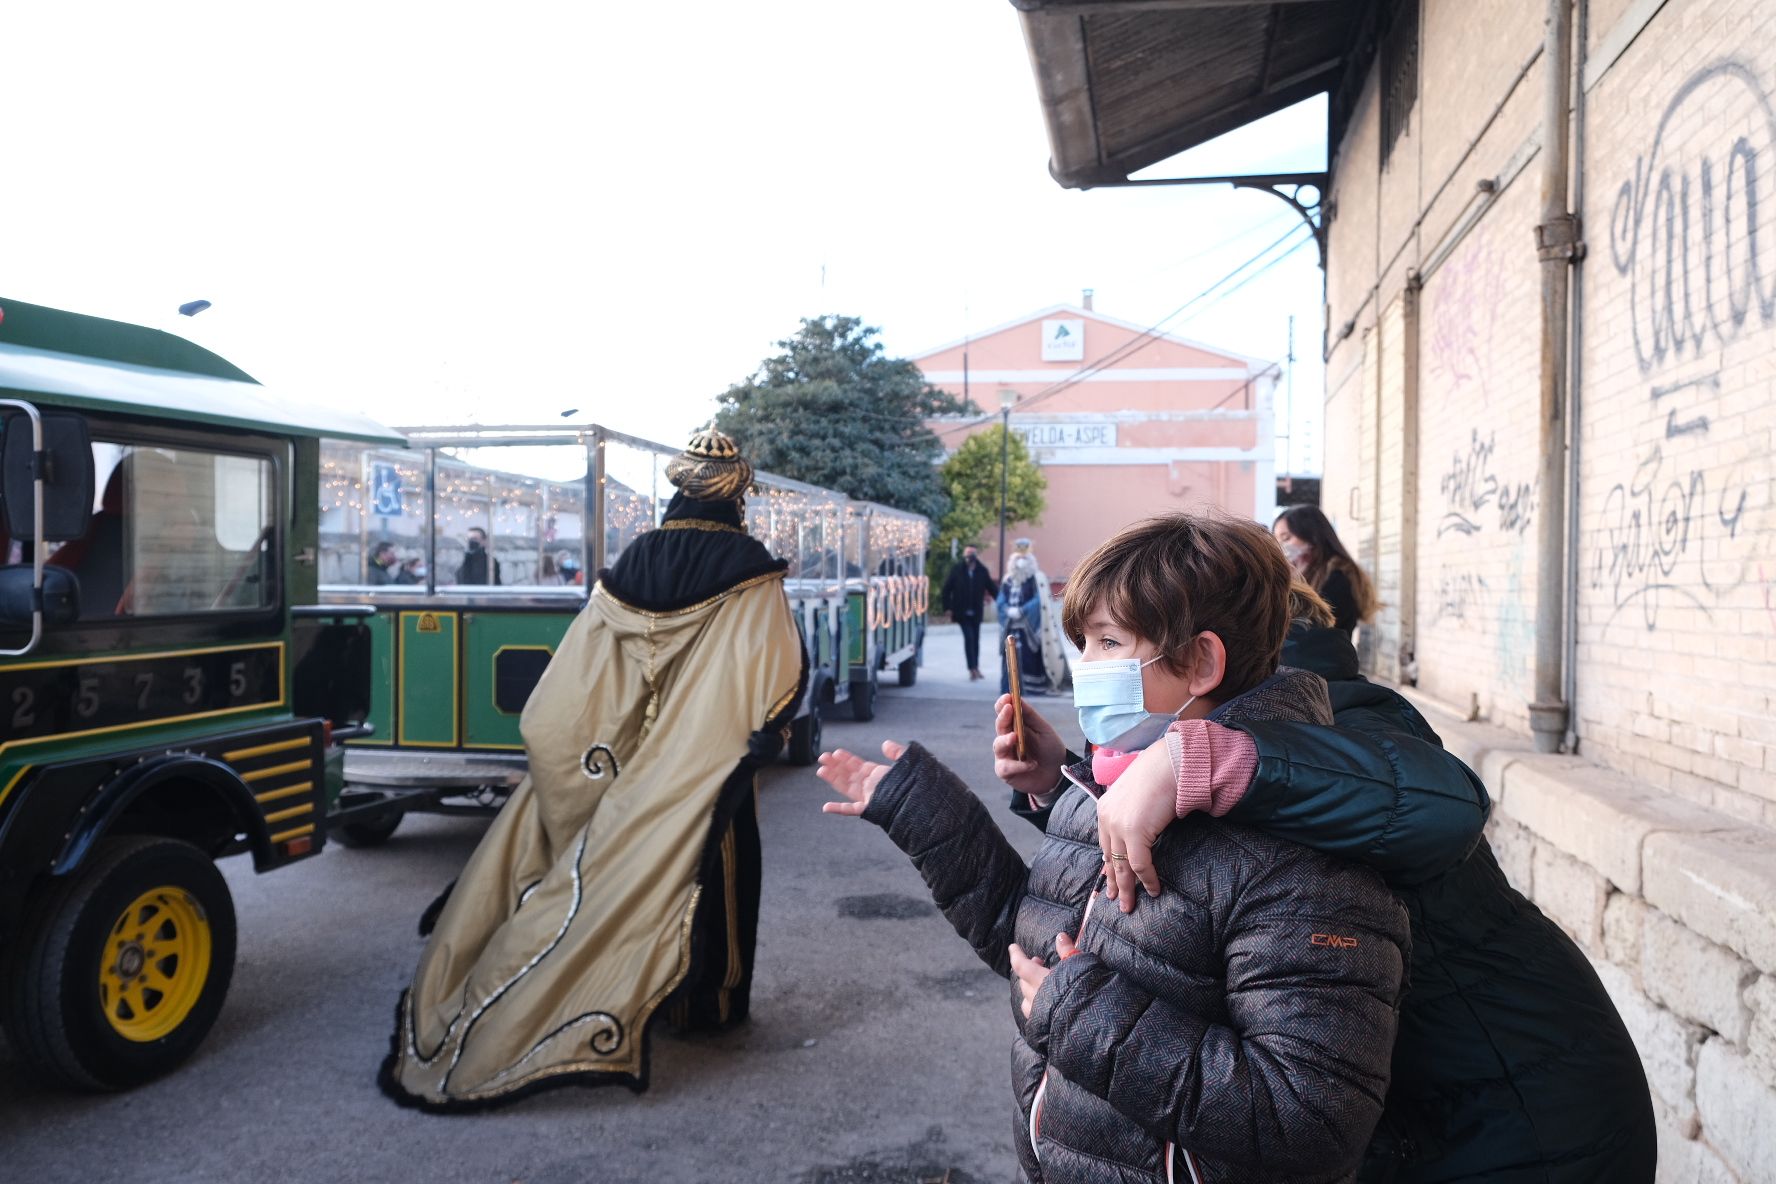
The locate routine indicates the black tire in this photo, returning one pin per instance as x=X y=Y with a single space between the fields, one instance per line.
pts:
x=804 y=740
x=863 y=700
x=55 y=1010
x=372 y=831
x=909 y=671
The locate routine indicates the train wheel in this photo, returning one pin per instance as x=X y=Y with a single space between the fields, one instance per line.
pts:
x=909 y=671
x=123 y=968
x=371 y=832
x=804 y=739
x=863 y=700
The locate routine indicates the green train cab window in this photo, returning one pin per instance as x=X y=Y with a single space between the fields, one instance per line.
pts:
x=175 y=531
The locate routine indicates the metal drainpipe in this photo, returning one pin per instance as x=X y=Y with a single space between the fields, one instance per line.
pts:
x=1575 y=391
x=1557 y=245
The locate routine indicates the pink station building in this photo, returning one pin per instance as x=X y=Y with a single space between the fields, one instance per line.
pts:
x=1125 y=423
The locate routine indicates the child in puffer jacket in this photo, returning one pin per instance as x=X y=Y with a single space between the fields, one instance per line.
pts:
x=1238 y=1027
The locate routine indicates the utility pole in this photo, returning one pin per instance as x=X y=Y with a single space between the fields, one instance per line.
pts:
x=1007 y=399
x=1289 y=408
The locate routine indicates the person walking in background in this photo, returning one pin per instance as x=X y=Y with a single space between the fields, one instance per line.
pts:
x=964 y=591
x=1054 y=650
x=1313 y=548
x=1021 y=617
x=475 y=564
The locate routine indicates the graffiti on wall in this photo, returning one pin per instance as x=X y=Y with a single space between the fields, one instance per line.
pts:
x=1693 y=232
x=1473 y=496
x=1667 y=530
x=1456 y=592
x=1481 y=507
x=1691 y=228
x=1471 y=288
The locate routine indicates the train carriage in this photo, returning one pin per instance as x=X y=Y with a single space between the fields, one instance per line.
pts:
x=177 y=686
x=169 y=689
x=459 y=642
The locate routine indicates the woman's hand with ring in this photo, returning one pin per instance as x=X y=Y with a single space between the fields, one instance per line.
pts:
x=1132 y=814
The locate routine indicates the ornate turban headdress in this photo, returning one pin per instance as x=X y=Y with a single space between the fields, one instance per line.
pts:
x=711 y=468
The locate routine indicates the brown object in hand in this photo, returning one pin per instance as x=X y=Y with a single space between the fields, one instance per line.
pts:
x=1017 y=698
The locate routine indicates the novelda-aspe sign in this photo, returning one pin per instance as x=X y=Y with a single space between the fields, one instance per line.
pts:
x=1067 y=435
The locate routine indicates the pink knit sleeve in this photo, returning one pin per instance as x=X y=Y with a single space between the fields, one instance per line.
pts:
x=1214 y=765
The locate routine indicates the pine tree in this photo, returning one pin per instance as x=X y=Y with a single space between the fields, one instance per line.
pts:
x=833 y=410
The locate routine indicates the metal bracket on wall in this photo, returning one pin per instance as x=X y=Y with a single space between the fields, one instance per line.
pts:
x=1290 y=187
x=1305 y=193
x=1561 y=238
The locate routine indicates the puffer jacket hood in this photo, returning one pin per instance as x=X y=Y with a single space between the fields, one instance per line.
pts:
x=1327 y=652
x=1235 y=1028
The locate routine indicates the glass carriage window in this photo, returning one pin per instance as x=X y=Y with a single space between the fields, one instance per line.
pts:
x=174 y=530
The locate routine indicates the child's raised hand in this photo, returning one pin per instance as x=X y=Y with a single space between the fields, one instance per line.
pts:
x=854 y=777
x=1044 y=750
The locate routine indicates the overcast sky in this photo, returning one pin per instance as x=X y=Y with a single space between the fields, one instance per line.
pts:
x=449 y=213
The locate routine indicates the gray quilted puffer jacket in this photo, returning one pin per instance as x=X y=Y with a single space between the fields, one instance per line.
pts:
x=1238 y=1027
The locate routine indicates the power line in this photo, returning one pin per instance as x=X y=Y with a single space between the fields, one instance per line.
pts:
x=1251 y=231
x=1151 y=334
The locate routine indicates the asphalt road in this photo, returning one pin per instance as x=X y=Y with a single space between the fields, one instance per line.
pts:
x=877 y=1051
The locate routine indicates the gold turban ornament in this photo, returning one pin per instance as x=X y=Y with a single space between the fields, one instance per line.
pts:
x=711 y=469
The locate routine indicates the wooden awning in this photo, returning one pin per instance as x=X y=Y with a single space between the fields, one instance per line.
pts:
x=1125 y=84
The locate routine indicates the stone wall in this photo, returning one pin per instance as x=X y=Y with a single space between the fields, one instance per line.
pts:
x=1675 y=904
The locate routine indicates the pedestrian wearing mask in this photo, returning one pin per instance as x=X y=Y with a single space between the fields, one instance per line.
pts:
x=1511 y=1062
x=1313 y=549
x=477 y=564
x=1021 y=619
x=965 y=591
x=1238 y=1027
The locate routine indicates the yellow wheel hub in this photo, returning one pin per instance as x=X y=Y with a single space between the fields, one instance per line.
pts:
x=157 y=960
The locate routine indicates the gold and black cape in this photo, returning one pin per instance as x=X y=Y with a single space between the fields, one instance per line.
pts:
x=622 y=875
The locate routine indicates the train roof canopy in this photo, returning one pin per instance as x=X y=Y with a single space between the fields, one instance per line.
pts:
x=1125 y=84
x=100 y=365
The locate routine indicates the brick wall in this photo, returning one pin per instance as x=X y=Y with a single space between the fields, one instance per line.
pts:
x=1640 y=844
x=1478 y=454
x=1677 y=610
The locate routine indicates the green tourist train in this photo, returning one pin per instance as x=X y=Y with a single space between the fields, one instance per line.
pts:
x=233 y=623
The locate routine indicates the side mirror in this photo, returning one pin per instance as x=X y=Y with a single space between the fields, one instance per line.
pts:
x=61 y=596
x=67 y=476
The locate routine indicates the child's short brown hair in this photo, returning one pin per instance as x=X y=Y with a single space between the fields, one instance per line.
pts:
x=1170 y=578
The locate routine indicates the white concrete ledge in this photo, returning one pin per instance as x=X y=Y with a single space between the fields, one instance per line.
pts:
x=1714 y=873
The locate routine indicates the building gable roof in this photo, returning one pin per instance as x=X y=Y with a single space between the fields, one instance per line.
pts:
x=1073 y=310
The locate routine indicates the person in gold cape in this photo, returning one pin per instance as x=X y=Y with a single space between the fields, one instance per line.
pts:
x=621 y=879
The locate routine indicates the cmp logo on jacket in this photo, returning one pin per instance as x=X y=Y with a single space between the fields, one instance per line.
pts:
x=1333 y=941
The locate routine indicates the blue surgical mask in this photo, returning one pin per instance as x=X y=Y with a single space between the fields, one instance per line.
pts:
x=1113 y=704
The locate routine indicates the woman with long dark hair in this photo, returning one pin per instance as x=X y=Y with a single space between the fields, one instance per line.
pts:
x=1313 y=547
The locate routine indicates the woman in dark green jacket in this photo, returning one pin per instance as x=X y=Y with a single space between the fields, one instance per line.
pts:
x=1511 y=1062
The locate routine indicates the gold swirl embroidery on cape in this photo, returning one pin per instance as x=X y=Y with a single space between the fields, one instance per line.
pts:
x=632 y=1063
x=599 y=589
x=700 y=524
